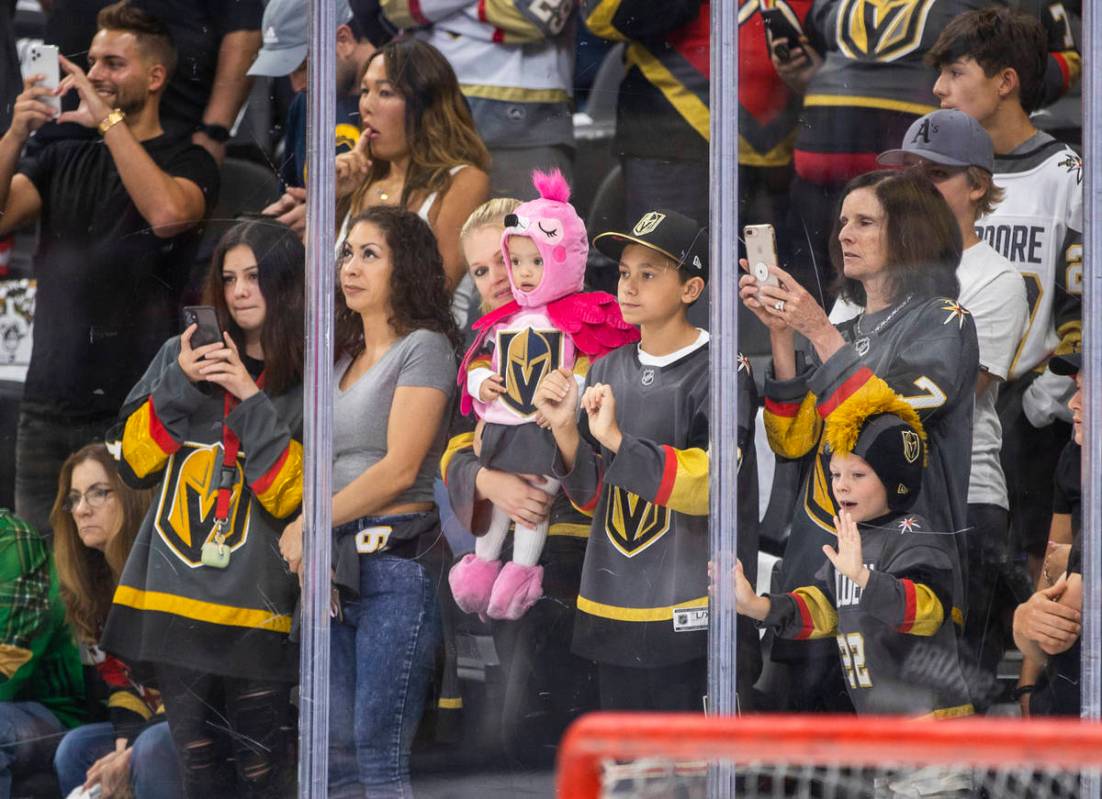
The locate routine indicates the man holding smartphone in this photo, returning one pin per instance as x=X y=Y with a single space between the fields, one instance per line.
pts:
x=118 y=216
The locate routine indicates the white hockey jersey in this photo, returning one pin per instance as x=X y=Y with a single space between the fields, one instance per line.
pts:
x=1038 y=228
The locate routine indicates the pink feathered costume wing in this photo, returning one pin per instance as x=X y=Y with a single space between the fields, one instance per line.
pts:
x=592 y=325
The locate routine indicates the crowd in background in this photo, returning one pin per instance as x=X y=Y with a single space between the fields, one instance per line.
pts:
x=521 y=390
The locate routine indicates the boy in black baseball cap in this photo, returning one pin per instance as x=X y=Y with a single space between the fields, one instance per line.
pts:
x=638 y=461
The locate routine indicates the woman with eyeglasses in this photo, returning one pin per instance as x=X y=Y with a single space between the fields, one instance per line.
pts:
x=205 y=596
x=95 y=519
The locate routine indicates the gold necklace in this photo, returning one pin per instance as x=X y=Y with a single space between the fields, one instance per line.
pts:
x=383 y=193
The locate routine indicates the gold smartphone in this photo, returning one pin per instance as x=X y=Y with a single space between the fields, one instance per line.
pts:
x=761 y=253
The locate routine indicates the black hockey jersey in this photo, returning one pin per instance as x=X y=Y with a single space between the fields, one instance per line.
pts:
x=168 y=606
x=895 y=637
x=662 y=110
x=644 y=592
x=927 y=353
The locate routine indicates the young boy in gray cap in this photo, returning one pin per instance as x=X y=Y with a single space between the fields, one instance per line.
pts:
x=955 y=152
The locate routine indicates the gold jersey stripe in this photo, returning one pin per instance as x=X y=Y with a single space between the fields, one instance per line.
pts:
x=929 y=614
x=849 y=101
x=780 y=155
x=209 y=612
x=140 y=447
x=691 y=107
x=956 y=712
x=283 y=494
x=450 y=703
x=129 y=701
x=569 y=530
x=688 y=490
x=599 y=21
x=514 y=94
x=636 y=614
x=456 y=445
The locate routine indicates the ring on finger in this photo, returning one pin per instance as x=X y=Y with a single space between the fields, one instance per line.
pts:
x=779 y=305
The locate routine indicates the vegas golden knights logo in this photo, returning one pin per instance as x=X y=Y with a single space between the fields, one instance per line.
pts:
x=525 y=356
x=633 y=524
x=911 y=446
x=185 y=509
x=648 y=223
x=881 y=30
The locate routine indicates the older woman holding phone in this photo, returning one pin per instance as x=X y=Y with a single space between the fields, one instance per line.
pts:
x=895 y=248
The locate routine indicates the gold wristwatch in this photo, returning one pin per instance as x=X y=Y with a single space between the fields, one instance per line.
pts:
x=115 y=117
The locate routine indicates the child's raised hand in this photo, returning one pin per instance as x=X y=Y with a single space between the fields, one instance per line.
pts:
x=847 y=558
x=600 y=407
x=747 y=602
x=556 y=399
x=492 y=388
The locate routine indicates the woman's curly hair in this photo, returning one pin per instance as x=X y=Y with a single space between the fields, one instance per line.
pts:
x=419 y=298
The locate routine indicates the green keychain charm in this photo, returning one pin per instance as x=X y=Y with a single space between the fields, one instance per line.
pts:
x=215 y=553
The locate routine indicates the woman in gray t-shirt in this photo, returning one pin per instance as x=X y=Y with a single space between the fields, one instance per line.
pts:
x=396 y=346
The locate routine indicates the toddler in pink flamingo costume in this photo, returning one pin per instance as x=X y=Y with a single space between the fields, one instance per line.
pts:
x=549 y=325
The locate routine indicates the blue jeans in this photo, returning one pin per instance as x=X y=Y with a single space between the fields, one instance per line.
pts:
x=381 y=667
x=28 y=736
x=154 y=772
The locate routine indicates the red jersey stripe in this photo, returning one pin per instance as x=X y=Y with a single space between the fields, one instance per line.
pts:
x=851 y=386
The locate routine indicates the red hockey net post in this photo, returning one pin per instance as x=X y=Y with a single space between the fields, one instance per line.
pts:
x=851 y=742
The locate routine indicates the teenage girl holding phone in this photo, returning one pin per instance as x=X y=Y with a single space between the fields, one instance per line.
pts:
x=205 y=596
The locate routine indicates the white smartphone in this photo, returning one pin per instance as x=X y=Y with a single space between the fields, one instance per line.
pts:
x=761 y=253
x=41 y=59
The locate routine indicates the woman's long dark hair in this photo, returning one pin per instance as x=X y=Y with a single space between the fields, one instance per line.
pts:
x=439 y=127
x=921 y=236
x=87 y=576
x=281 y=260
x=419 y=298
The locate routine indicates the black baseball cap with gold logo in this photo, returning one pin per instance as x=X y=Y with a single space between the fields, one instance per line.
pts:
x=674 y=235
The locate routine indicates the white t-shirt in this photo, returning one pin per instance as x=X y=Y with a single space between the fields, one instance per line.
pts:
x=994 y=292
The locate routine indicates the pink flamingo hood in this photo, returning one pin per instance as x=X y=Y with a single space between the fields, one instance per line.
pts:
x=558 y=233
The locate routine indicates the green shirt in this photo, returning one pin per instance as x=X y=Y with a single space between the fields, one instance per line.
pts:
x=39 y=661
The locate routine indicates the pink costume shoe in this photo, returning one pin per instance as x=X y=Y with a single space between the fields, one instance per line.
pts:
x=516 y=589
x=472 y=579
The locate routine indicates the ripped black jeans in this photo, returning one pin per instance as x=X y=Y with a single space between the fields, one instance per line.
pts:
x=231 y=735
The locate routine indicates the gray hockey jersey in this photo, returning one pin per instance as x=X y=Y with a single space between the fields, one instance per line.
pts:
x=895 y=637
x=644 y=591
x=928 y=354
x=168 y=606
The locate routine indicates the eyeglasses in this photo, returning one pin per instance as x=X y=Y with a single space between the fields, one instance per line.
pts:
x=94 y=496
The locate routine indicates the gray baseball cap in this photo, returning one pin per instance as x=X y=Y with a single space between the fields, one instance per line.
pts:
x=284 y=31
x=949 y=137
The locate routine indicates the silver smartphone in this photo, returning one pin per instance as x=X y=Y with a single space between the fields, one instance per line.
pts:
x=42 y=59
x=761 y=253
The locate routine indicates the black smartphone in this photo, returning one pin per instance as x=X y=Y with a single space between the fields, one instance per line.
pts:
x=208 y=330
x=781 y=26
